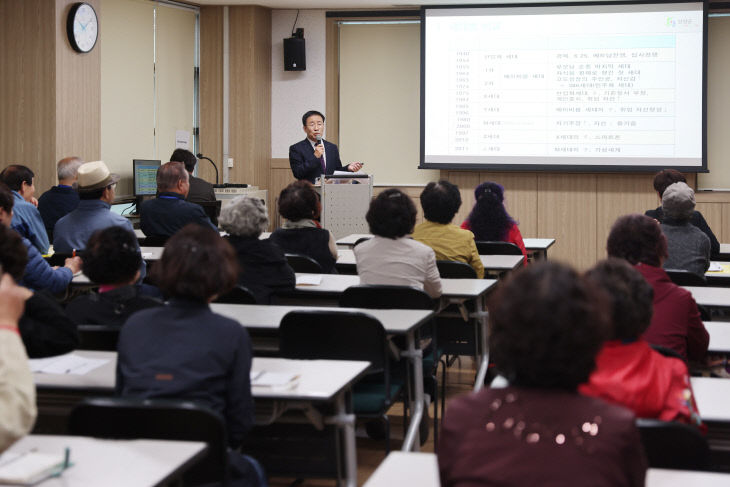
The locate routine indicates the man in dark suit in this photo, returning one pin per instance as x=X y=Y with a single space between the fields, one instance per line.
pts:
x=311 y=157
x=200 y=189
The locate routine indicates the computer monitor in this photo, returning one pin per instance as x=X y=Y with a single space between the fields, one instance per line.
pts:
x=145 y=176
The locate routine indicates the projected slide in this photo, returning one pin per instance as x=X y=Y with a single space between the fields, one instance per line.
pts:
x=619 y=86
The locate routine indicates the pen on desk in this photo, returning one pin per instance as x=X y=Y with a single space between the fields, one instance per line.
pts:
x=66 y=457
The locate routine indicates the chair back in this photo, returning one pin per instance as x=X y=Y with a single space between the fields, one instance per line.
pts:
x=667 y=352
x=212 y=209
x=334 y=335
x=455 y=270
x=386 y=297
x=361 y=240
x=303 y=263
x=681 y=277
x=238 y=295
x=669 y=444
x=98 y=337
x=156 y=240
x=160 y=419
x=497 y=248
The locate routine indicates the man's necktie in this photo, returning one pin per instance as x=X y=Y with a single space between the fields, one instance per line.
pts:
x=324 y=166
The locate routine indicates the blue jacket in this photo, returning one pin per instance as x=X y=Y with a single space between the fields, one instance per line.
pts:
x=73 y=230
x=184 y=350
x=168 y=213
x=40 y=275
x=28 y=223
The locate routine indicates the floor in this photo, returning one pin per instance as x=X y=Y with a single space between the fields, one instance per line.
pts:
x=459 y=380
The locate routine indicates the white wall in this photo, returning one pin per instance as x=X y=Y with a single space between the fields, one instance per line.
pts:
x=295 y=92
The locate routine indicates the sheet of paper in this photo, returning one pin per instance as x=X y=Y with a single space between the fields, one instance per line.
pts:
x=29 y=467
x=715 y=267
x=66 y=364
x=182 y=139
x=309 y=280
x=274 y=380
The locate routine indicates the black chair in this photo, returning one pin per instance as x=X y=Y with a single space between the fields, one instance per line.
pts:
x=238 y=295
x=670 y=444
x=161 y=419
x=682 y=277
x=497 y=248
x=156 y=240
x=403 y=297
x=212 y=209
x=342 y=335
x=667 y=352
x=98 y=337
x=303 y=263
x=456 y=270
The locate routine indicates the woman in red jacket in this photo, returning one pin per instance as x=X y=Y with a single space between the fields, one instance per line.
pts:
x=489 y=220
x=676 y=323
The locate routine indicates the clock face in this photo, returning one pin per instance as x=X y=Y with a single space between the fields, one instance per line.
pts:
x=82 y=27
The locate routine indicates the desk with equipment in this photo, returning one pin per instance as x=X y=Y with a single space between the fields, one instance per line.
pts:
x=319 y=381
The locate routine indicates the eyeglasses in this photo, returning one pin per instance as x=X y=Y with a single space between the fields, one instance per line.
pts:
x=312 y=125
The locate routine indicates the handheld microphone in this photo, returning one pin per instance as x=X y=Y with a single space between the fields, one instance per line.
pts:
x=201 y=156
x=319 y=139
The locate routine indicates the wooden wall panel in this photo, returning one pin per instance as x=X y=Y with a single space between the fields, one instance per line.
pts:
x=281 y=176
x=466 y=181
x=620 y=194
x=713 y=214
x=567 y=212
x=78 y=93
x=250 y=94
x=211 y=90
x=27 y=87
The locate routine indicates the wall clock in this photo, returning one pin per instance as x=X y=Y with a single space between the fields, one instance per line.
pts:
x=82 y=27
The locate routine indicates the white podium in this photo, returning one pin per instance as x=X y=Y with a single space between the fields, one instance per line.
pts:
x=345 y=201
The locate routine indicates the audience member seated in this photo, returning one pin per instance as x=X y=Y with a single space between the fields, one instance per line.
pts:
x=676 y=322
x=263 y=266
x=183 y=350
x=37 y=274
x=687 y=247
x=44 y=326
x=112 y=261
x=440 y=202
x=628 y=371
x=301 y=234
x=97 y=190
x=390 y=257
x=200 y=189
x=27 y=220
x=670 y=176
x=164 y=215
x=547 y=325
x=17 y=390
x=489 y=220
x=60 y=200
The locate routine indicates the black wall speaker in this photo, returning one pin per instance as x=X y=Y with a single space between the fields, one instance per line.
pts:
x=295 y=58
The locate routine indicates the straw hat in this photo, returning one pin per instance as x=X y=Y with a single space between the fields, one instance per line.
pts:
x=95 y=175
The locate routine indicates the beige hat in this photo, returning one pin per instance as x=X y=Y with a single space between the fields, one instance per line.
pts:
x=95 y=175
x=678 y=201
